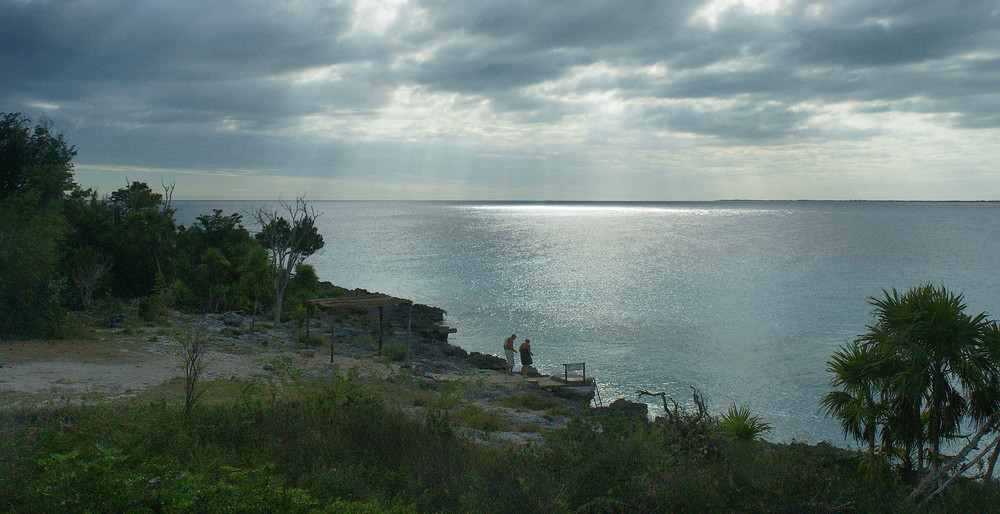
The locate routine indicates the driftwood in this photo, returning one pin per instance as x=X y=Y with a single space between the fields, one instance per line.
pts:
x=956 y=463
x=993 y=462
x=678 y=413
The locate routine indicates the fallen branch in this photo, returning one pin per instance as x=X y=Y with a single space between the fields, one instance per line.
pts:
x=677 y=414
x=663 y=396
x=935 y=476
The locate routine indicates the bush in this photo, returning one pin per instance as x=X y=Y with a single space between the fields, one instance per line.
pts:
x=29 y=283
x=325 y=445
x=150 y=308
x=309 y=338
x=304 y=280
x=364 y=341
x=180 y=295
x=738 y=424
x=394 y=350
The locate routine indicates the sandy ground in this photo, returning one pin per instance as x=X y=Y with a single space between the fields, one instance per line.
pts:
x=109 y=364
x=112 y=364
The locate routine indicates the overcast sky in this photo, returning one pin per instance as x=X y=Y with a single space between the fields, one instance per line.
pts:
x=517 y=99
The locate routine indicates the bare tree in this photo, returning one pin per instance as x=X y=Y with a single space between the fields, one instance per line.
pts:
x=168 y=194
x=290 y=240
x=195 y=345
x=87 y=277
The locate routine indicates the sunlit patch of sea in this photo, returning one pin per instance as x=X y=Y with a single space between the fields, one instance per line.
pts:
x=743 y=300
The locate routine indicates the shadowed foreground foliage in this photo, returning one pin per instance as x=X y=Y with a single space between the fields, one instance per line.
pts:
x=924 y=376
x=331 y=447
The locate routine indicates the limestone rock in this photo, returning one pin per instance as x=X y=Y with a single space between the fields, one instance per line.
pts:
x=624 y=407
x=530 y=371
x=233 y=319
x=484 y=361
x=114 y=320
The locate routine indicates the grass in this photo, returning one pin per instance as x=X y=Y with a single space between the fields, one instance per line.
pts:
x=331 y=445
x=313 y=340
x=394 y=350
x=530 y=401
x=479 y=419
x=342 y=443
x=365 y=341
x=530 y=428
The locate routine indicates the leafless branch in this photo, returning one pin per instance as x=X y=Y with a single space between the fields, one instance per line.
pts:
x=195 y=346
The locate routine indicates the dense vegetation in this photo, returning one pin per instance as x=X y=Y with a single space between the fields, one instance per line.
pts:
x=64 y=247
x=923 y=374
x=332 y=445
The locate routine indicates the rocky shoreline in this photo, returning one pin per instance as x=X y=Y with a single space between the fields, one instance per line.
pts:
x=116 y=357
x=428 y=334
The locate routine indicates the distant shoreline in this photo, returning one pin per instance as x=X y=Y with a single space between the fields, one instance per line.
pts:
x=583 y=202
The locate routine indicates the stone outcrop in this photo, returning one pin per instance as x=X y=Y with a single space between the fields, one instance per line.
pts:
x=530 y=371
x=428 y=335
x=485 y=361
x=623 y=407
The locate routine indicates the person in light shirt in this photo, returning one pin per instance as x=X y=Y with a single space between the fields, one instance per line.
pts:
x=508 y=349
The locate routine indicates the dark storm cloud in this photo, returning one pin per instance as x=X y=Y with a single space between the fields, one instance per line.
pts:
x=136 y=41
x=825 y=52
x=475 y=70
x=177 y=80
x=585 y=24
x=747 y=122
x=891 y=32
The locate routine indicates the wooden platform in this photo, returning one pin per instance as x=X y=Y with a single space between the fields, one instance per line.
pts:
x=579 y=389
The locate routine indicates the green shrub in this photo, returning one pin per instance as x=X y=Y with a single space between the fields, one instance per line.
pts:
x=365 y=341
x=738 y=424
x=394 y=350
x=180 y=295
x=326 y=445
x=310 y=339
x=304 y=279
x=150 y=308
x=100 y=479
x=479 y=419
x=29 y=283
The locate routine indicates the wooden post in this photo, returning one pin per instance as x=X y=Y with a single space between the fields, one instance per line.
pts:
x=381 y=312
x=331 y=338
x=308 y=322
x=409 y=318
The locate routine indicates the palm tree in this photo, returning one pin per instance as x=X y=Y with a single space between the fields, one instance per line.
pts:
x=934 y=357
x=986 y=400
x=857 y=400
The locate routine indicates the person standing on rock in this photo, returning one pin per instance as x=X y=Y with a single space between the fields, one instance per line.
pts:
x=508 y=349
x=526 y=354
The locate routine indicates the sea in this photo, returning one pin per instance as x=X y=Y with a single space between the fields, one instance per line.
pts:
x=744 y=301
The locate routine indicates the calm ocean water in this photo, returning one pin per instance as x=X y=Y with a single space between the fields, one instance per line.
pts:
x=743 y=300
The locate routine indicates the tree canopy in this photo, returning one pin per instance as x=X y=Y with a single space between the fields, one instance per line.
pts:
x=35 y=171
x=33 y=158
x=290 y=240
x=923 y=371
x=65 y=247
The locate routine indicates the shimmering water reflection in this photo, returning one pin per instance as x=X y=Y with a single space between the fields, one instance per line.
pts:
x=743 y=300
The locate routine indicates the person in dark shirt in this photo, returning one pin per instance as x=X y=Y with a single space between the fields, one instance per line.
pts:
x=526 y=354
